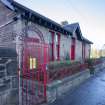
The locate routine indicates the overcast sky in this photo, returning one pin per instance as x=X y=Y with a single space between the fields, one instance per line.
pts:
x=89 y=13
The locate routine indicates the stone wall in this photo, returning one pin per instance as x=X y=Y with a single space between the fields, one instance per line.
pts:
x=8 y=77
x=87 y=50
x=5 y=14
x=99 y=67
x=7 y=34
x=78 y=53
x=58 y=88
x=10 y=30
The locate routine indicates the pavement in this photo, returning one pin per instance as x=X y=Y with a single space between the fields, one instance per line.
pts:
x=91 y=92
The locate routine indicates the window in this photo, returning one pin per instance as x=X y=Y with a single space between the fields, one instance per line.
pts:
x=32 y=62
x=56 y=39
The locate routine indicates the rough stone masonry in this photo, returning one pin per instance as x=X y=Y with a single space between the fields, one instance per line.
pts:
x=8 y=77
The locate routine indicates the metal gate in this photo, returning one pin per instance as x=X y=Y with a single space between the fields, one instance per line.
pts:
x=34 y=75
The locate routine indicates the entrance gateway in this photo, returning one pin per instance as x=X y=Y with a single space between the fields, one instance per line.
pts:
x=34 y=75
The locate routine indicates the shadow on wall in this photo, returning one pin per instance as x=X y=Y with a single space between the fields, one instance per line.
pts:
x=8 y=77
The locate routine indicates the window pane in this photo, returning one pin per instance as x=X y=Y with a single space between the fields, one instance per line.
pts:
x=56 y=39
x=32 y=63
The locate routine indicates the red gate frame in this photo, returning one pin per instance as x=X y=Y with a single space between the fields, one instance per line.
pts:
x=30 y=47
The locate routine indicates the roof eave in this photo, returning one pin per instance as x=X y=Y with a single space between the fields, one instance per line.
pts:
x=8 y=4
x=87 y=41
x=53 y=25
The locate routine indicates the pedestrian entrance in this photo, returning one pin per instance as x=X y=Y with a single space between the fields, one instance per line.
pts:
x=34 y=76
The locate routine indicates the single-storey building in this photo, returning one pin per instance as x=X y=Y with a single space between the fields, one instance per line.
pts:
x=36 y=40
x=80 y=46
x=18 y=22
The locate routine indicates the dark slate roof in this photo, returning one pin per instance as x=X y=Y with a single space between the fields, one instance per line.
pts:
x=87 y=41
x=44 y=21
x=8 y=4
x=39 y=19
x=76 y=28
x=71 y=27
x=35 y=17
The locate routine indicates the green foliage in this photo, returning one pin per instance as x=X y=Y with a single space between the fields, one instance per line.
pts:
x=89 y=61
x=92 y=63
x=67 y=57
x=92 y=70
x=60 y=64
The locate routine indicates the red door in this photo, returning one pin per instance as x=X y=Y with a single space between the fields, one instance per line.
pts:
x=72 y=52
x=73 y=49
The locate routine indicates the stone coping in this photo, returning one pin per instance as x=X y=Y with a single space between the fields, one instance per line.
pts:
x=66 y=79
